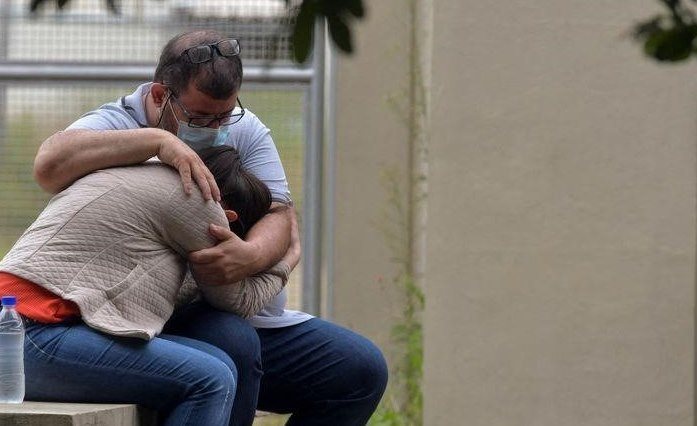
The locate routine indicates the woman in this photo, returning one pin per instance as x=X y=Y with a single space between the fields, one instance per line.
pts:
x=105 y=261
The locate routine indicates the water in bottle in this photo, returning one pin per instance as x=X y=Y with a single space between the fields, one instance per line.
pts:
x=11 y=352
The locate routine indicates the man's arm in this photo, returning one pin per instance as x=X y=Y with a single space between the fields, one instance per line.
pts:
x=233 y=259
x=68 y=155
x=247 y=297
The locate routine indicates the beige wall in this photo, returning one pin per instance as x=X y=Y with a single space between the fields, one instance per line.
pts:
x=561 y=213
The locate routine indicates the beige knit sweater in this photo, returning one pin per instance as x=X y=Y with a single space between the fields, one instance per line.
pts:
x=115 y=243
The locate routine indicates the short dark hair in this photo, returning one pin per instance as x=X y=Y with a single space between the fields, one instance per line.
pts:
x=219 y=78
x=241 y=191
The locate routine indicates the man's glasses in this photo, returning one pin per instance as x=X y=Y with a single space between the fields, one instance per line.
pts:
x=224 y=119
x=204 y=53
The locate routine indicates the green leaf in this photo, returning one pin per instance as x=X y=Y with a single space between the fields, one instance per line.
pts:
x=672 y=45
x=329 y=7
x=355 y=7
x=304 y=30
x=340 y=8
x=644 y=29
x=34 y=5
x=340 y=33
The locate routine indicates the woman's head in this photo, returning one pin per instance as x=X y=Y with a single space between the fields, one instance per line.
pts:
x=240 y=190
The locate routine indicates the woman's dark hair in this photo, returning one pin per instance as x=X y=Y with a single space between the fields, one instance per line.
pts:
x=240 y=190
x=218 y=78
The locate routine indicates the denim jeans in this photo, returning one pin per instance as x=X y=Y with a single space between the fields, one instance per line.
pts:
x=187 y=381
x=321 y=373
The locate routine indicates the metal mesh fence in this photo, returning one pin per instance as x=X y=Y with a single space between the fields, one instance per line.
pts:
x=87 y=33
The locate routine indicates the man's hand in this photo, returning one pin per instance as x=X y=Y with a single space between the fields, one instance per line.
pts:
x=228 y=262
x=191 y=168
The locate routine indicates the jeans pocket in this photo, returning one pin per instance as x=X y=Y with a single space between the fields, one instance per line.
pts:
x=44 y=340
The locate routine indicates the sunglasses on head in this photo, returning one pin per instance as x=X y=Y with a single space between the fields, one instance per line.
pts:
x=204 y=52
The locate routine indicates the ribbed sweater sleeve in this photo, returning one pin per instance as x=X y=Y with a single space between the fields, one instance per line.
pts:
x=249 y=296
x=184 y=227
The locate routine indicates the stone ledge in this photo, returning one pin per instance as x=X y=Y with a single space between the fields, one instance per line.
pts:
x=31 y=413
x=63 y=414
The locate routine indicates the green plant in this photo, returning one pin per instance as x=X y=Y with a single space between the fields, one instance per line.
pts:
x=338 y=14
x=403 y=405
x=670 y=36
x=403 y=232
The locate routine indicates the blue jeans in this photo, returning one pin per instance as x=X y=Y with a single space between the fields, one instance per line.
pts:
x=321 y=373
x=189 y=382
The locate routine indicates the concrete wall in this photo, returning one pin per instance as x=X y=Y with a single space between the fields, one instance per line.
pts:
x=371 y=141
x=561 y=212
x=566 y=265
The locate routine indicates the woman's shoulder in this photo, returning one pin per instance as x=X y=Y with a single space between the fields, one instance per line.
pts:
x=150 y=176
x=144 y=185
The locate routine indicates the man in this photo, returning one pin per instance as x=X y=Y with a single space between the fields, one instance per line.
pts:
x=286 y=361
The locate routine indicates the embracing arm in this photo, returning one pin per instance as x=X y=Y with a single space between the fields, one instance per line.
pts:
x=184 y=228
x=267 y=241
x=249 y=296
x=68 y=155
x=233 y=259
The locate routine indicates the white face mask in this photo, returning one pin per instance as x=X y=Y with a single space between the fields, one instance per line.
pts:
x=198 y=138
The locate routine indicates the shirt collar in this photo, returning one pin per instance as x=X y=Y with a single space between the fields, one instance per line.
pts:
x=134 y=104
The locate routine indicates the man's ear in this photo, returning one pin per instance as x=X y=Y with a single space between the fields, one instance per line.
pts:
x=231 y=215
x=158 y=91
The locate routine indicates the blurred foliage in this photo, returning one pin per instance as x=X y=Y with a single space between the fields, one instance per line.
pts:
x=338 y=14
x=20 y=197
x=113 y=6
x=670 y=36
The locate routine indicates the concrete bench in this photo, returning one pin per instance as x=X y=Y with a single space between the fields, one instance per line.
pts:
x=69 y=414
x=62 y=414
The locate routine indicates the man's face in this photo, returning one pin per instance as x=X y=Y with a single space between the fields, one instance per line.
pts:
x=195 y=107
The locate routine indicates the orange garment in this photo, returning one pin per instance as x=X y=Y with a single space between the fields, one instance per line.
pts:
x=36 y=302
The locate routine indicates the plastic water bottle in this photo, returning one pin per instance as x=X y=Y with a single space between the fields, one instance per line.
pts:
x=11 y=352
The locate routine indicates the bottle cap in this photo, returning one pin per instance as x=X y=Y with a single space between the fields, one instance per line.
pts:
x=9 y=300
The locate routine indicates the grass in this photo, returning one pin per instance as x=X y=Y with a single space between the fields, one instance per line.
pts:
x=271 y=420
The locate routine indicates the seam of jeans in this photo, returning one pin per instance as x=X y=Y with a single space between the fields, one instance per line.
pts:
x=188 y=412
x=227 y=397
